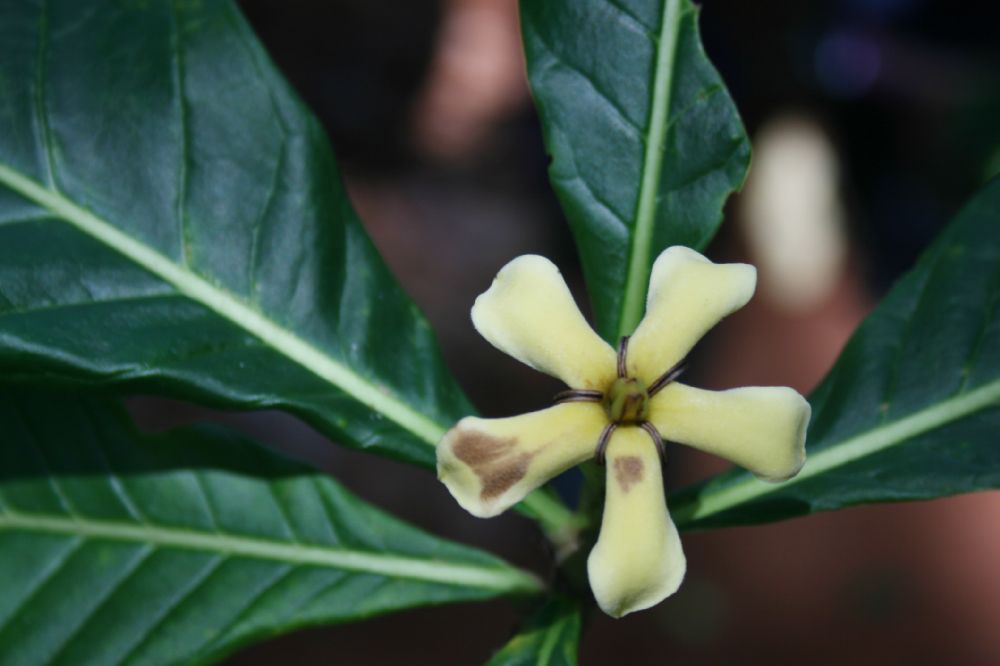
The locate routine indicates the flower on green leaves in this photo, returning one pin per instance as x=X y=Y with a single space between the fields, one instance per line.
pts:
x=620 y=408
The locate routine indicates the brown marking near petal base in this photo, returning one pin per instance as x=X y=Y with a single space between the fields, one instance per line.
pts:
x=628 y=472
x=497 y=462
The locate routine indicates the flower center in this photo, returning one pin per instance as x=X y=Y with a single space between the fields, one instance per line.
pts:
x=627 y=401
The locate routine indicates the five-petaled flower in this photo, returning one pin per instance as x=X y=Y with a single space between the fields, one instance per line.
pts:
x=620 y=407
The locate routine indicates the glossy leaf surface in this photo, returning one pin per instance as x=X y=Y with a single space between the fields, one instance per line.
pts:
x=172 y=220
x=122 y=548
x=551 y=637
x=911 y=410
x=646 y=143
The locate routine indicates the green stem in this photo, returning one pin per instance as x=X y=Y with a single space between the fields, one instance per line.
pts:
x=561 y=525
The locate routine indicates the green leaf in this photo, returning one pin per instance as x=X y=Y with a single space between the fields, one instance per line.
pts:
x=646 y=143
x=120 y=548
x=911 y=410
x=550 y=638
x=172 y=219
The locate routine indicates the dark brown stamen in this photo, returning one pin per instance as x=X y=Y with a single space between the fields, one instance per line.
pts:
x=622 y=352
x=602 y=443
x=657 y=439
x=578 y=395
x=667 y=377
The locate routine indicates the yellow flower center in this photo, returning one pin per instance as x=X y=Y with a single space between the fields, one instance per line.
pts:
x=627 y=401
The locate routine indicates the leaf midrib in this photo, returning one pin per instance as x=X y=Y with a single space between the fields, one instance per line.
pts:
x=551 y=639
x=846 y=451
x=379 y=398
x=652 y=167
x=229 y=306
x=393 y=566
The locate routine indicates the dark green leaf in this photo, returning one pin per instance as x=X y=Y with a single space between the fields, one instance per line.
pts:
x=646 y=143
x=550 y=638
x=911 y=410
x=121 y=548
x=172 y=218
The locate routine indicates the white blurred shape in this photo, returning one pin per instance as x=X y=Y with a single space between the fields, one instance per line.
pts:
x=794 y=220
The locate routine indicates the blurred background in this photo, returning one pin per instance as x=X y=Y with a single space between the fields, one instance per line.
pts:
x=872 y=121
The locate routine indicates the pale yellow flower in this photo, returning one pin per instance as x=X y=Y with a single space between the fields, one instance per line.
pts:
x=621 y=406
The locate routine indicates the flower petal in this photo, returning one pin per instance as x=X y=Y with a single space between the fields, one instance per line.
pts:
x=529 y=313
x=491 y=464
x=688 y=295
x=761 y=428
x=637 y=561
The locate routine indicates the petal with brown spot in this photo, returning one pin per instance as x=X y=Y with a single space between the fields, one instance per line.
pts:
x=497 y=462
x=491 y=464
x=637 y=560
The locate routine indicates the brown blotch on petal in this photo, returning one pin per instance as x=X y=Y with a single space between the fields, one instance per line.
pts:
x=497 y=462
x=628 y=471
x=500 y=478
x=477 y=448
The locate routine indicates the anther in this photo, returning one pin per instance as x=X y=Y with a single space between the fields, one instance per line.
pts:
x=657 y=439
x=622 y=354
x=602 y=443
x=667 y=377
x=578 y=395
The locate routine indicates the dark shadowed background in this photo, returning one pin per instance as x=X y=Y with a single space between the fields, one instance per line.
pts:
x=872 y=121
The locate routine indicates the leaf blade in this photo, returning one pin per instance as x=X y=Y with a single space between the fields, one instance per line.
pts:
x=550 y=638
x=909 y=410
x=228 y=306
x=93 y=527
x=151 y=239
x=645 y=141
x=242 y=214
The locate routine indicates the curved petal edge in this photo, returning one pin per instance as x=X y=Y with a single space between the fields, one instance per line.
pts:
x=529 y=313
x=688 y=295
